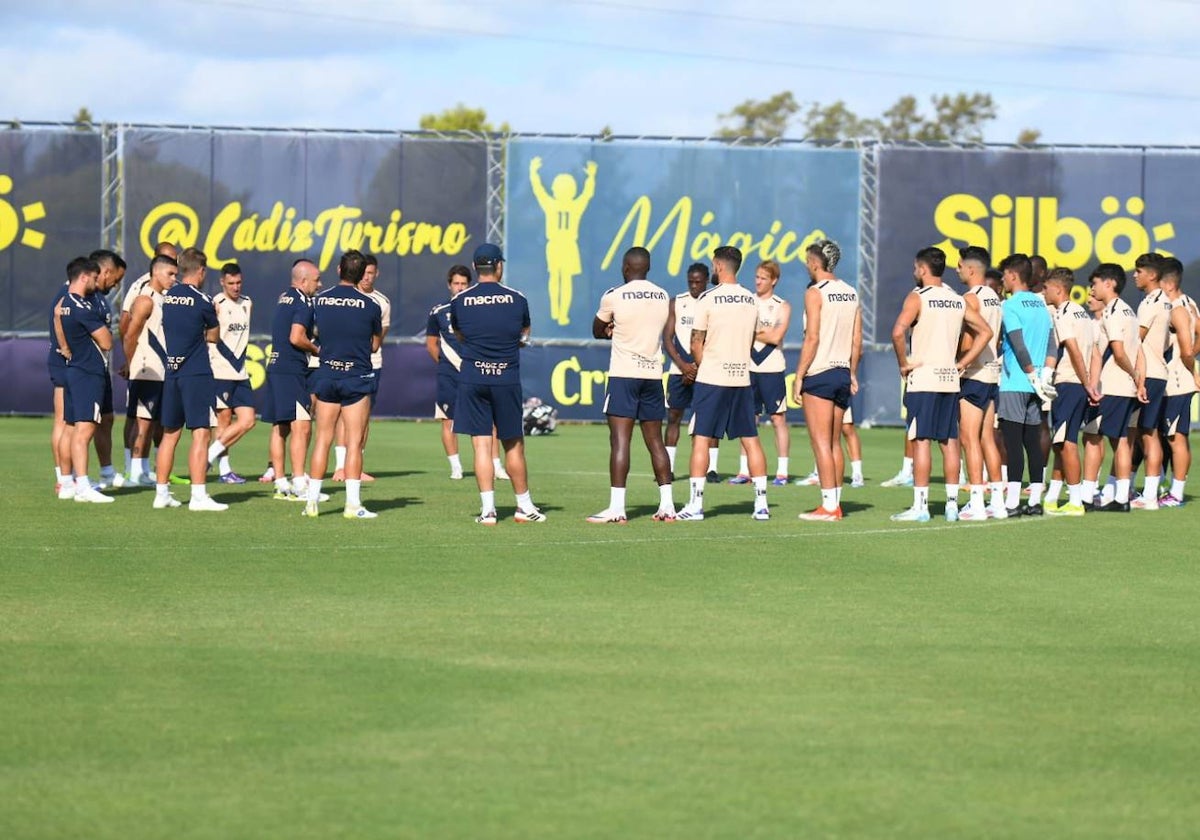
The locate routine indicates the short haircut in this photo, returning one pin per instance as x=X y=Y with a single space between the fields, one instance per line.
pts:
x=975 y=253
x=301 y=261
x=698 y=266
x=934 y=259
x=103 y=256
x=1173 y=268
x=1061 y=276
x=827 y=251
x=1020 y=265
x=230 y=268
x=993 y=275
x=80 y=266
x=729 y=255
x=163 y=259
x=637 y=257
x=371 y=260
x=1038 y=263
x=1152 y=261
x=191 y=261
x=1110 y=271
x=352 y=266
x=166 y=249
x=457 y=271
x=772 y=268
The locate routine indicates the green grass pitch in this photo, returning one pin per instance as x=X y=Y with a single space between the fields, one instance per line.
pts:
x=252 y=674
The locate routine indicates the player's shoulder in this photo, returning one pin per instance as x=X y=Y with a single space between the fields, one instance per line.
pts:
x=608 y=291
x=510 y=290
x=777 y=299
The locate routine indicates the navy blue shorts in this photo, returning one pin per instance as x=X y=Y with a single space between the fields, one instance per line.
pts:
x=1067 y=413
x=343 y=390
x=233 y=393
x=982 y=395
x=189 y=401
x=832 y=385
x=932 y=415
x=769 y=391
x=1177 y=416
x=58 y=370
x=106 y=403
x=1111 y=418
x=479 y=407
x=641 y=399
x=288 y=398
x=723 y=411
x=679 y=393
x=375 y=385
x=145 y=399
x=1152 y=412
x=447 y=395
x=83 y=396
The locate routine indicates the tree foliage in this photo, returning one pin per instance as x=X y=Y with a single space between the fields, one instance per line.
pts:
x=83 y=119
x=461 y=118
x=761 y=120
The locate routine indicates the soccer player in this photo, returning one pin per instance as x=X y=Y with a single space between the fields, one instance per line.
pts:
x=722 y=340
x=1154 y=315
x=681 y=377
x=491 y=321
x=1076 y=346
x=234 y=396
x=367 y=287
x=1117 y=372
x=827 y=373
x=350 y=325
x=980 y=389
x=1182 y=379
x=936 y=316
x=288 y=401
x=1026 y=382
x=768 y=370
x=633 y=316
x=444 y=349
x=145 y=365
x=85 y=338
x=130 y=296
x=112 y=271
x=189 y=324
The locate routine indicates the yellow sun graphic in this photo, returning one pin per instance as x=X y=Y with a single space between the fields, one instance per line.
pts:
x=10 y=221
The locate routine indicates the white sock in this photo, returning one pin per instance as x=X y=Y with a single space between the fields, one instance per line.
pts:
x=782 y=468
x=215 y=450
x=671 y=456
x=455 y=462
x=907 y=468
x=497 y=467
x=616 y=499
x=664 y=497
x=1074 y=494
x=199 y=491
x=921 y=498
x=162 y=491
x=136 y=468
x=300 y=484
x=997 y=493
x=952 y=493
x=1122 y=490
x=314 y=491
x=1149 y=491
x=83 y=484
x=837 y=495
x=760 y=491
x=128 y=460
x=339 y=457
x=1004 y=473
x=714 y=454
x=1087 y=491
x=353 y=492
x=223 y=466
x=1052 y=491
x=829 y=498
x=524 y=501
x=58 y=476
x=282 y=485
x=856 y=470
x=1045 y=474
x=487 y=501
x=976 y=496
x=1013 y=498
x=1035 y=493
x=1177 y=488
x=743 y=466
x=696 y=498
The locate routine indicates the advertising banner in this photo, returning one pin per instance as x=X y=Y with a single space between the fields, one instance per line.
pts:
x=1076 y=208
x=49 y=213
x=575 y=207
x=265 y=200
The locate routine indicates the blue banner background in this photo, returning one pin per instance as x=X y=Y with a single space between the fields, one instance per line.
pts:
x=701 y=197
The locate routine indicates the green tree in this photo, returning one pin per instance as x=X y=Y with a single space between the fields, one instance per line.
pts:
x=763 y=120
x=461 y=118
x=83 y=119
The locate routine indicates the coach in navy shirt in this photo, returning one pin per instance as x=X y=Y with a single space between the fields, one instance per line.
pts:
x=189 y=323
x=349 y=325
x=491 y=321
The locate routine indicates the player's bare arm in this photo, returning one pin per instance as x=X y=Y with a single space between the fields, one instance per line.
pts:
x=909 y=313
x=981 y=333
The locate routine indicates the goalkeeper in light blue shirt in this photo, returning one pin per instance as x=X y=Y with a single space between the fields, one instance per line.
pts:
x=1030 y=353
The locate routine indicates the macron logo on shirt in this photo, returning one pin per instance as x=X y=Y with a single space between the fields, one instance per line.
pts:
x=179 y=300
x=356 y=303
x=484 y=300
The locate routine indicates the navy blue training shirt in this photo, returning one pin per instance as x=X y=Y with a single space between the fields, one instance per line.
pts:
x=55 y=358
x=79 y=320
x=187 y=314
x=491 y=318
x=450 y=357
x=294 y=307
x=346 y=319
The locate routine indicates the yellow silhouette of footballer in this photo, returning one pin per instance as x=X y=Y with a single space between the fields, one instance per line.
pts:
x=564 y=211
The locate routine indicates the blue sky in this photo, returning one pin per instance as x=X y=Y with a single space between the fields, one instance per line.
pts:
x=1081 y=72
